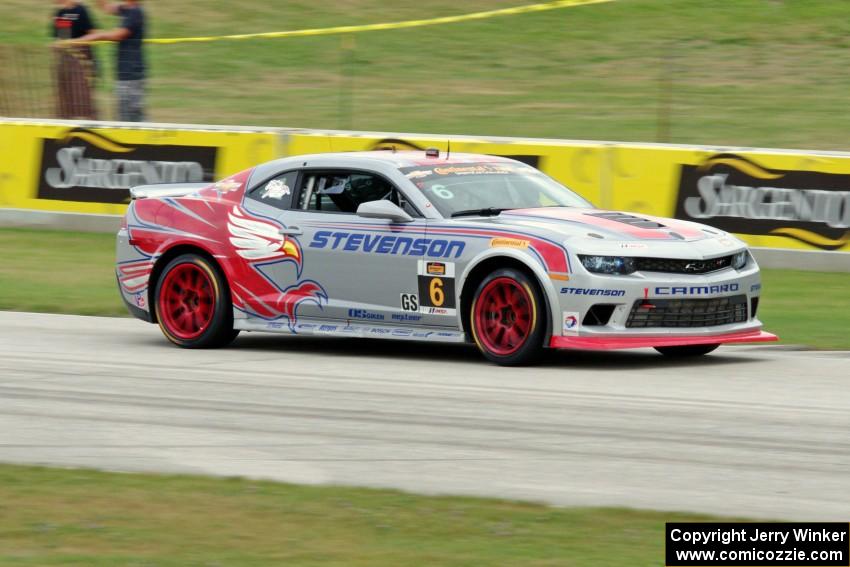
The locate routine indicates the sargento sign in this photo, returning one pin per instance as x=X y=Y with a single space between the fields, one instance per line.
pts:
x=87 y=166
x=737 y=194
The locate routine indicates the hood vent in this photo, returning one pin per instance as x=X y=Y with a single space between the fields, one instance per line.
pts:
x=627 y=219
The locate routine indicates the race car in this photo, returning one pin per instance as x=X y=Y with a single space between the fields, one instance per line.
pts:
x=416 y=245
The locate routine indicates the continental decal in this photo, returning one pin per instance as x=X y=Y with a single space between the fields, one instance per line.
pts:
x=508 y=243
x=738 y=195
x=435 y=268
x=86 y=166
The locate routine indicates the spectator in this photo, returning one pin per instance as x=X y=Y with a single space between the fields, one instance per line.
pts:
x=75 y=65
x=130 y=86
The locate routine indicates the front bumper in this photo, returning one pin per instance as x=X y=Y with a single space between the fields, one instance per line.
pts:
x=613 y=342
x=693 y=324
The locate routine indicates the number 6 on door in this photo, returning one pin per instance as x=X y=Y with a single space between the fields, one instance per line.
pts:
x=437 y=287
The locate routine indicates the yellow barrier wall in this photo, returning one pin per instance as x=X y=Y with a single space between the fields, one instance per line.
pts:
x=66 y=168
x=770 y=198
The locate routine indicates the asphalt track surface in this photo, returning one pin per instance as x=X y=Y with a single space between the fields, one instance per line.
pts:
x=760 y=432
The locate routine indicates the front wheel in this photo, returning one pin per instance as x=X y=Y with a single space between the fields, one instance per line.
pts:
x=193 y=304
x=686 y=350
x=506 y=320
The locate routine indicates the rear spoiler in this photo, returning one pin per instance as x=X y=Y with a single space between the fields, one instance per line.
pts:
x=165 y=190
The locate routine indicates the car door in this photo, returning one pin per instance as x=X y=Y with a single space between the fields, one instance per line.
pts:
x=366 y=267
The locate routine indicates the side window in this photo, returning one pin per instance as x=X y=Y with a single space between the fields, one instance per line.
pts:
x=343 y=192
x=276 y=192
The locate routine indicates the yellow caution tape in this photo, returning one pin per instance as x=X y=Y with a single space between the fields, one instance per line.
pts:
x=390 y=25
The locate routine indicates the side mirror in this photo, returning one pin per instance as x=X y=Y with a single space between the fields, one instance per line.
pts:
x=383 y=210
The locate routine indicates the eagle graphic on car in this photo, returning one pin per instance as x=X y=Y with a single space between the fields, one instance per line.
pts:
x=251 y=244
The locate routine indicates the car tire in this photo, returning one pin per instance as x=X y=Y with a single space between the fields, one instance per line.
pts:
x=686 y=351
x=192 y=303
x=508 y=319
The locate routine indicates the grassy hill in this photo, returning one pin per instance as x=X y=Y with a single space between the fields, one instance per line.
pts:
x=743 y=72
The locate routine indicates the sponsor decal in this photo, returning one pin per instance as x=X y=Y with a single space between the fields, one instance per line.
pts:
x=633 y=245
x=755 y=287
x=409 y=302
x=435 y=269
x=364 y=314
x=738 y=195
x=141 y=300
x=438 y=311
x=406 y=317
x=84 y=165
x=365 y=331
x=386 y=244
x=474 y=169
x=571 y=323
x=697 y=289
x=586 y=291
x=508 y=243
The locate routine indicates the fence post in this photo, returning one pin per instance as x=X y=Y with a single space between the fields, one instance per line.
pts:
x=346 y=86
x=664 y=121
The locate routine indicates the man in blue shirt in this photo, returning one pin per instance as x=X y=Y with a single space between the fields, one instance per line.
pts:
x=131 y=70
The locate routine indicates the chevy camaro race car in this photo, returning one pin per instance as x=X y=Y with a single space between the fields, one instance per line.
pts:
x=419 y=246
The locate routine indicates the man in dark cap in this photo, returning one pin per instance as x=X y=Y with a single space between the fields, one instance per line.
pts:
x=75 y=65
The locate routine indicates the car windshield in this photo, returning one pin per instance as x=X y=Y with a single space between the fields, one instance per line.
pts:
x=458 y=189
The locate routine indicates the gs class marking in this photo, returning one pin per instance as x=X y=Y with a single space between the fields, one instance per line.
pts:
x=409 y=302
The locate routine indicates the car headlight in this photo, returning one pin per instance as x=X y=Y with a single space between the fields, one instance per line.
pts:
x=740 y=259
x=608 y=264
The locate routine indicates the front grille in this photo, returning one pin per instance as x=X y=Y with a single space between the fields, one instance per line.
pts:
x=673 y=266
x=652 y=313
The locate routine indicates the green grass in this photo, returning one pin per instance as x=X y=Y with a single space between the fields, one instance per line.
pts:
x=87 y=518
x=61 y=272
x=807 y=308
x=58 y=272
x=750 y=72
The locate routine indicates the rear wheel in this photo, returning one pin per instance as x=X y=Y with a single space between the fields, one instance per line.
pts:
x=506 y=320
x=193 y=304
x=686 y=350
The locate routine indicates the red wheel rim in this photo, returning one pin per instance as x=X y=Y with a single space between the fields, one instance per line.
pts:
x=503 y=316
x=186 y=301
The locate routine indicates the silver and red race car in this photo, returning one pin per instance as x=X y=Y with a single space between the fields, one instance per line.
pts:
x=419 y=246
